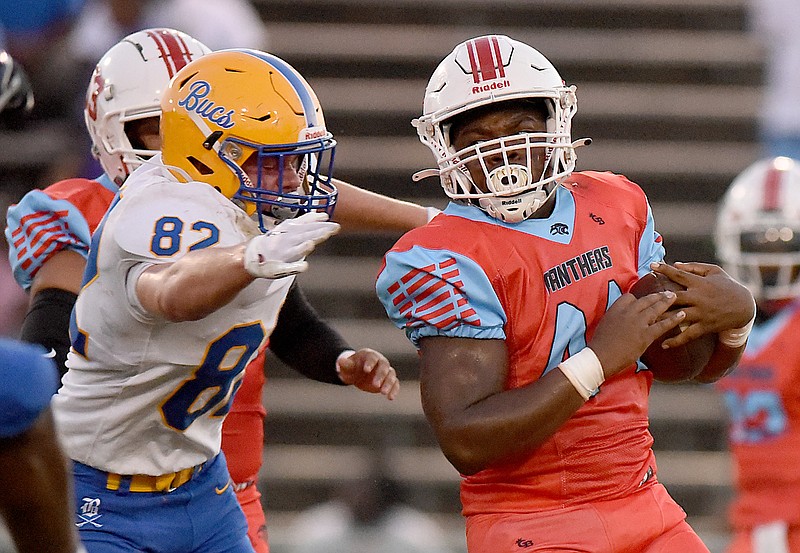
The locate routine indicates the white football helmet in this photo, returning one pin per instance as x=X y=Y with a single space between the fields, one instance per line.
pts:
x=758 y=229
x=492 y=69
x=127 y=85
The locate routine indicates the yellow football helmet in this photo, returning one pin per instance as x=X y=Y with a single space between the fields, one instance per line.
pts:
x=236 y=107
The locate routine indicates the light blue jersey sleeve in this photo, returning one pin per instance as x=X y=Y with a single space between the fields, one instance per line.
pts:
x=37 y=227
x=29 y=380
x=651 y=245
x=439 y=293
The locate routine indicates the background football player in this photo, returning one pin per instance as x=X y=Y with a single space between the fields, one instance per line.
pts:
x=758 y=242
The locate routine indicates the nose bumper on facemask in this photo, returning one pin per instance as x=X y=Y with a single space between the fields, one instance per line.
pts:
x=508 y=178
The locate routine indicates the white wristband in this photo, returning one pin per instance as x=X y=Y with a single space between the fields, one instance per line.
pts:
x=584 y=371
x=736 y=337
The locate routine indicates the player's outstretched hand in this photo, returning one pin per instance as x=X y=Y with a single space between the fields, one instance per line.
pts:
x=629 y=326
x=713 y=300
x=281 y=251
x=370 y=371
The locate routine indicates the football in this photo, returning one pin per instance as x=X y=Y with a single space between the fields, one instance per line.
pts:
x=674 y=364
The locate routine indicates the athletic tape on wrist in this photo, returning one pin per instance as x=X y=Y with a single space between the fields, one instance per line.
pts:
x=584 y=372
x=736 y=337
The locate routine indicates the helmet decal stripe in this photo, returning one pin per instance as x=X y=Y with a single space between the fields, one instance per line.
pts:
x=486 y=69
x=501 y=72
x=174 y=54
x=476 y=78
x=300 y=88
x=772 y=189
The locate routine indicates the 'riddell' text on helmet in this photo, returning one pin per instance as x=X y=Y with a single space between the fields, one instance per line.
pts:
x=488 y=70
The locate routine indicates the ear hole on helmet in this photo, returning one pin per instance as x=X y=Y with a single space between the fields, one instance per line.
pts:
x=201 y=167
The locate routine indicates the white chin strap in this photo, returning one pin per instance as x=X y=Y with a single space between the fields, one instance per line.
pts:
x=512 y=209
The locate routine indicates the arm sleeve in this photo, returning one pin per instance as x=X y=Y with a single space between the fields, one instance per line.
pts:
x=47 y=323
x=305 y=342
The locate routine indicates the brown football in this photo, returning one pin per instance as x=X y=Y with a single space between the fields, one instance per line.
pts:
x=674 y=364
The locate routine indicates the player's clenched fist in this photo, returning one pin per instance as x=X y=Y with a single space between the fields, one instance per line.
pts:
x=281 y=251
x=370 y=371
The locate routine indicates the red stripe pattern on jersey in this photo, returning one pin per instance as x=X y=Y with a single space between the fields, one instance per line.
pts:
x=37 y=233
x=433 y=295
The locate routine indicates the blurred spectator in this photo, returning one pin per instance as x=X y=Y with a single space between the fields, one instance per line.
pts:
x=216 y=23
x=16 y=103
x=366 y=516
x=775 y=23
x=35 y=34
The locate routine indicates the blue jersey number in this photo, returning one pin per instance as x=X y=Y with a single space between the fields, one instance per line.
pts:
x=214 y=382
x=570 y=333
x=166 y=239
x=756 y=415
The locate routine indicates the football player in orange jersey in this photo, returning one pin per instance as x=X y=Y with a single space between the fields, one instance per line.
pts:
x=49 y=233
x=515 y=296
x=758 y=242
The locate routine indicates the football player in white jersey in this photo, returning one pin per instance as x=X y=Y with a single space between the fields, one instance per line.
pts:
x=181 y=290
x=49 y=233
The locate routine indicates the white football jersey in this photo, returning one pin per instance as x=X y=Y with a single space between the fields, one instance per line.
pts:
x=143 y=395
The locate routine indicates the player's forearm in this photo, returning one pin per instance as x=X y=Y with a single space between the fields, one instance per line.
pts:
x=723 y=360
x=509 y=424
x=36 y=498
x=477 y=421
x=194 y=286
x=47 y=323
x=305 y=342
x=362 y=210
x=53 y=294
